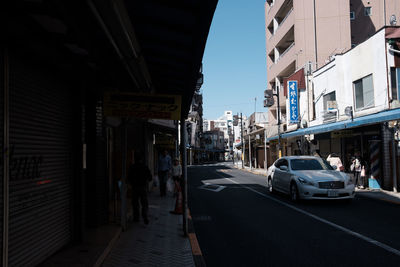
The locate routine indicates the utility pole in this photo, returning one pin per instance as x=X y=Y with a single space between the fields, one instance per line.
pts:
x=265 y=149
x=241 y=137
x=250 y=151
x=183 y=133
x=279 y=123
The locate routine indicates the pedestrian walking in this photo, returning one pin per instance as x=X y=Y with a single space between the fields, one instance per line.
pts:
x=139 y=177
x=164 y=169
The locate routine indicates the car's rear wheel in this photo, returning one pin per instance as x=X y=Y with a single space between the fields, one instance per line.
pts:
x=269 y=185
x=294 y=193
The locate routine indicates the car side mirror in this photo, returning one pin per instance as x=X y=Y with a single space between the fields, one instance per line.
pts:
x=283 y=168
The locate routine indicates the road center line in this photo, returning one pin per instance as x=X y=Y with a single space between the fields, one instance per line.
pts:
x=348 y=231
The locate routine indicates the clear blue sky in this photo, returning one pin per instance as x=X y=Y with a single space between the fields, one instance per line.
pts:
x=234 y=62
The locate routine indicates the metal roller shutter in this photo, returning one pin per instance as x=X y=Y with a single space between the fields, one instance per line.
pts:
x=40 y=164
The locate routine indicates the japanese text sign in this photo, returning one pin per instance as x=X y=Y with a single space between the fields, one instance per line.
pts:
x=138 y=105
x=293 y=102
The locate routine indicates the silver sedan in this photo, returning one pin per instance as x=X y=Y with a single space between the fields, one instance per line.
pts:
x=308 y=177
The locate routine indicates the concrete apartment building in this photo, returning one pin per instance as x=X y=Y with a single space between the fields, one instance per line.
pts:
x=367 y=17
x=305 y=34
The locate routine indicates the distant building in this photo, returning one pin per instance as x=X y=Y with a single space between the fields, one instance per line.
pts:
x=214 y=145
x=224 y=124
x=194 y=125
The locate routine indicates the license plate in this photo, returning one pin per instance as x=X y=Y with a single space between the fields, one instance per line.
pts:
x=332 y=193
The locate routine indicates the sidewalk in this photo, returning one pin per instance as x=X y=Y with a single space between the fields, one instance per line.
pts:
x=380 y=194
x=160 y=243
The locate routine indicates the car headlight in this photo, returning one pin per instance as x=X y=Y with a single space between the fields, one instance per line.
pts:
x=305 y=181
x=347 y=179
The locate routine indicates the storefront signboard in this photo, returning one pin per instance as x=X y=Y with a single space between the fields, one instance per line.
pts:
x=138 y=105
x=293 y=102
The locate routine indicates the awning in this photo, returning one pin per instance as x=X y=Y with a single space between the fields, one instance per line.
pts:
x=297 y=76
x=146 y=46
x=387 y=115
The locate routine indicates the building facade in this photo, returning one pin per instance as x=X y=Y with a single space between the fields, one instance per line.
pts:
x=299 y=32
x=214 y=143
x=224 y=124
x=306 y=34
x=355 y=106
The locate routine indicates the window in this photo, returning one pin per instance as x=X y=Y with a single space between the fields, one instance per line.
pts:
x=281 y=162
x=352 y=15
x=395 y=82
x=364 y=92
x=368 y=11
x=309 y=164
x=330 y=101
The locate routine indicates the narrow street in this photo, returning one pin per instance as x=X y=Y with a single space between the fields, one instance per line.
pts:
x=238 y=223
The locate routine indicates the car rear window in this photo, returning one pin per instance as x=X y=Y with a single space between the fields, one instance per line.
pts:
x=309 y=164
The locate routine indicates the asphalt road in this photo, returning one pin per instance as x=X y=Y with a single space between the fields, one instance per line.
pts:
x=238 y=223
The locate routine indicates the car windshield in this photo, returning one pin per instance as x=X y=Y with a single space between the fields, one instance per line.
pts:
x=310 y=164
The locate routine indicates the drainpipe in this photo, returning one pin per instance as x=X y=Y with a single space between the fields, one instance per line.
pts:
x=384 y=12
x=394 y=166
x=315 y=37
x=387 y=74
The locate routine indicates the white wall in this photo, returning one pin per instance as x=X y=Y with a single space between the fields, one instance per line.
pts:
x=365 y=59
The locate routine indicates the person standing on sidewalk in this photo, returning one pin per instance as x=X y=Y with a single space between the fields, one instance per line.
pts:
x=356 y=168
x=164 y=169
x=177 y=173
x=178 y=181
x=139 y=177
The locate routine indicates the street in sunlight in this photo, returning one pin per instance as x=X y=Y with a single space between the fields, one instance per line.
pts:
x=245 y=225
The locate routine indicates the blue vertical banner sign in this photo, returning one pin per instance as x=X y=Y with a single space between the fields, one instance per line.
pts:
x=293 y=101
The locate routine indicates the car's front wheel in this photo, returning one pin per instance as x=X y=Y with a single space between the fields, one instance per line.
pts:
x=294 y=192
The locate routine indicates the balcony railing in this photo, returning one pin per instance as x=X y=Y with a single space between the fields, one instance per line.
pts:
x=280 y=24
x=287 y=15
x=284 y=52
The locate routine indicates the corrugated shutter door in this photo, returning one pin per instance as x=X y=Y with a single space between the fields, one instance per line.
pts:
x=40 y=164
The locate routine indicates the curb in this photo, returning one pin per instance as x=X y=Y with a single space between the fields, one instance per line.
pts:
x=251 y=171
x=107 y=250
x=196 y=251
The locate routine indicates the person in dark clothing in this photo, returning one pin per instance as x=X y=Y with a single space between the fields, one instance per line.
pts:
x=139 y=177
x=164 y=170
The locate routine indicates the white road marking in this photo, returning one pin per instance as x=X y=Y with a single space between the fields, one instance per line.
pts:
x=211 y=187
x=348 y=231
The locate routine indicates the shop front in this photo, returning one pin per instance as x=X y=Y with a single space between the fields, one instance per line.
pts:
x=40 y=117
